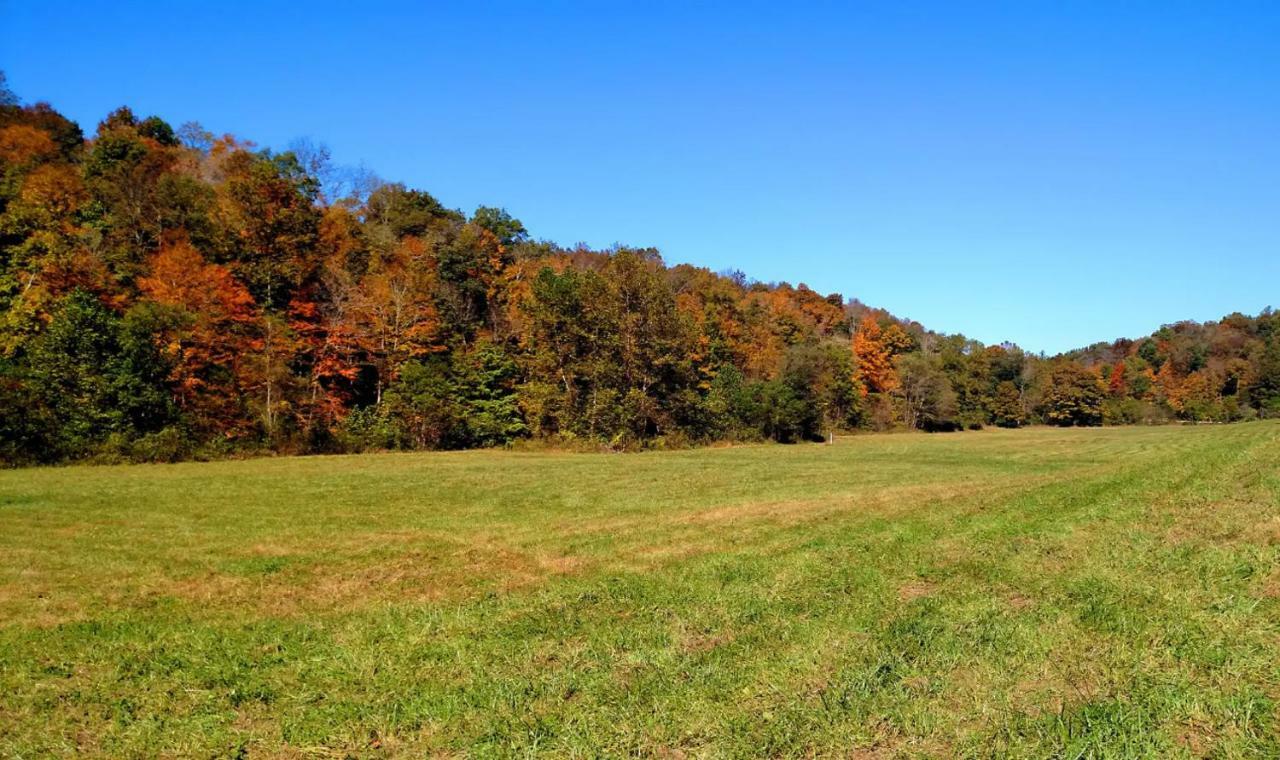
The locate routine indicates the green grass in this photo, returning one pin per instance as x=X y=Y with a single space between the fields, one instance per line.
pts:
x=1068 y=593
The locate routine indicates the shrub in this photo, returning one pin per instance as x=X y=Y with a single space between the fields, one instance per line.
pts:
x=172 y=444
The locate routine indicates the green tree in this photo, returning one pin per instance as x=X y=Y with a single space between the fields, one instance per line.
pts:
x=401 y=211
x=484 y=380
x=462 y=400
x=930 y=400
x=97 y=374
x=422 y=403
x=1264 y=376
x=28 y=427
x=505 y=227
x=1006 y=406
x=158 y=129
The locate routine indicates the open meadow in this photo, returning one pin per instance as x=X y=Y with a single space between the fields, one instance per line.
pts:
x=1038 y=592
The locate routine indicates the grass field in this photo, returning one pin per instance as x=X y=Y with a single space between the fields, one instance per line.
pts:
x=1043 y=592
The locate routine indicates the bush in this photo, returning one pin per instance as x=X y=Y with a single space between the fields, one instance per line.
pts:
x=113 y=449
x=368 y=429
x=172 y=444
x=1130 y=411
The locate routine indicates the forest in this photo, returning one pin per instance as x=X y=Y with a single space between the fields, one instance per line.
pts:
x=167 y=293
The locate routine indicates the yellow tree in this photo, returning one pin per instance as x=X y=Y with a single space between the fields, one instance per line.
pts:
x=874 y=357
x=392 y=313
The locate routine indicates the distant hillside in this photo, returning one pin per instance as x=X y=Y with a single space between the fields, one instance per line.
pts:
x=168 y=293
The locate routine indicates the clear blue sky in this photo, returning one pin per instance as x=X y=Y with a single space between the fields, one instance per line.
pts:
x=1049 y=173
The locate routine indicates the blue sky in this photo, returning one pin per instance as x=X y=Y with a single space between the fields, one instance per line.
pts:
x=1049 y=173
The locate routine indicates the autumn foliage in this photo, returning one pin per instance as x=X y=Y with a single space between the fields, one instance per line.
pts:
x=170 y=293
x=873 y=350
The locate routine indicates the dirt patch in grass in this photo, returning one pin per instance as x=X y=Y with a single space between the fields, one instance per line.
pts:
x=1264 y=532
x=916 y=589
x=698 y=643
x=1198 y=739
x=1269 y=586
x=1069 y=677
x=1019 y=601
x=38 y=604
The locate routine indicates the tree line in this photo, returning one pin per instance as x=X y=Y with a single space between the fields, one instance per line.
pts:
x=169 y=293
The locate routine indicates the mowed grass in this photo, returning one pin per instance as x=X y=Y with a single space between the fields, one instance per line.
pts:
x=1069 y=593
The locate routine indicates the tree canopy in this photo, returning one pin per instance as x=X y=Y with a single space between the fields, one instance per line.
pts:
x=168 y=293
